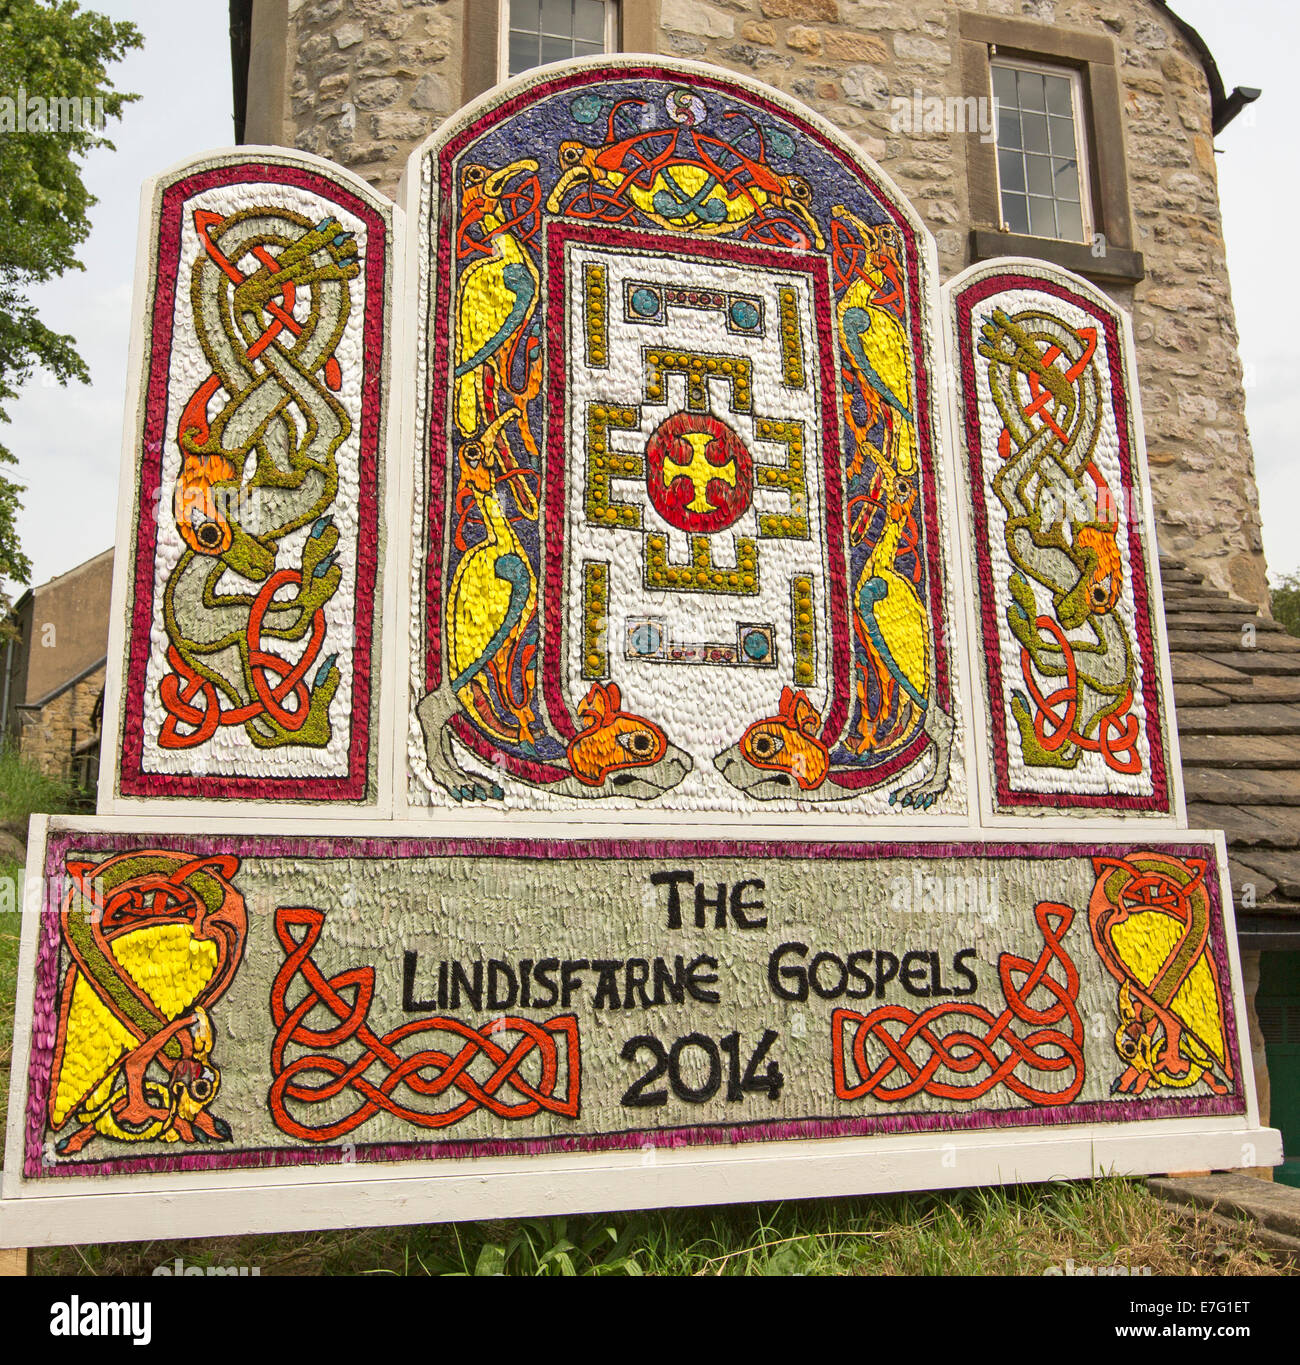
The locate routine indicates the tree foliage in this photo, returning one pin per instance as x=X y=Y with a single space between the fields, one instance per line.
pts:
x=49 y=49
x=1285 y=601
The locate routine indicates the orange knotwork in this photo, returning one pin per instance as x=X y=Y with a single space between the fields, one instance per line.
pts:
x=1117 y=730
x=996 y=1056
x=429 y=1074
x=275 y=680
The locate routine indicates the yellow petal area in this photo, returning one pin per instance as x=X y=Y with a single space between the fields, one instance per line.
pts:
x=480 y=599
x=682 y=184
x=95 y=1042
x=1144 y=943
x=886 y=346
x=168 y=963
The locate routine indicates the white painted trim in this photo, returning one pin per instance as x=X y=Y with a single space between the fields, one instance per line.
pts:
x=503 y=37
x=501 y=1188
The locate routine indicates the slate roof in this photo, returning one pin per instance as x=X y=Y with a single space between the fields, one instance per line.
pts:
x=1237 y=691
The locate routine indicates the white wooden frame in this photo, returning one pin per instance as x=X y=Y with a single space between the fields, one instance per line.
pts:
x=135 y=1208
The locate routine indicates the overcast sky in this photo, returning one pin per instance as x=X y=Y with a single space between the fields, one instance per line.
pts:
x=69 y=441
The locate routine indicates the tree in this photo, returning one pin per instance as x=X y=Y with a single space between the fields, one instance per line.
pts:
x=1285 y=600
x=54 y=60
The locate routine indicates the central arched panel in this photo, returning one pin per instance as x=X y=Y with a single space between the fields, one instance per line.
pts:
x=679 y=510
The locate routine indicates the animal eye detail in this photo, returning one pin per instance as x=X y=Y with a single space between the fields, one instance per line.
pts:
x=208 y=534
x=474 y=175
x=570 y=154
x=766 y=745
x=638 y=743
x=201 y=1089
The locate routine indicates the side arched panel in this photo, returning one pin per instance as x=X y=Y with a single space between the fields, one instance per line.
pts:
x=679 y=511
x=251 y=537
x=1062 y=549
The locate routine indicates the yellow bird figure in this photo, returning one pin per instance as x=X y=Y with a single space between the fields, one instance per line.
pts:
x=892 y=627
x=493 y=599
x=154 y=939
x=877 y=344
x=495 y=298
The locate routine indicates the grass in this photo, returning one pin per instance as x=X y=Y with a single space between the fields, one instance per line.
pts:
x=1016 y=1230
x=25 y=790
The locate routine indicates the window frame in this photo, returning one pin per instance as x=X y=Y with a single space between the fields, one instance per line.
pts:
x=611 y=38
x=1082 y=150
x=1109 y=256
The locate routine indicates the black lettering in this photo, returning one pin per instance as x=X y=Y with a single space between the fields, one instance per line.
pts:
x=697 y=981
x=914 y=973
x=886 y=971
x=409 y=1003
x=858 y=974
x=471 y=984
x=965 y=971
x=442 y=984
x=544 y=975
x=570 y=978
x=635 y=974
x=496 y=970
x=936 y=984
x=525 y=979
x=675 y=985
x=739 y=905
x=673 y=880
x=718 y=902
x=607 y=986
x=776 y=973
x=827 y=992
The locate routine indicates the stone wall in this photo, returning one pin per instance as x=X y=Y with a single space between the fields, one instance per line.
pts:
x=368 y=79
x=46 y=737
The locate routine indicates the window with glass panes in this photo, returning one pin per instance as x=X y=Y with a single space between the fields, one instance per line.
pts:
x=1042 y=167
x=541 y=31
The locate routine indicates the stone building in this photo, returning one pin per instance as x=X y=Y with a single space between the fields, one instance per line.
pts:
x=362 y=81
x=52 y=674
x=1102 y=160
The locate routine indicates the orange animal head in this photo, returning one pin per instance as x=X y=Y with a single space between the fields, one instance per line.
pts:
x=481 y=187
x=477 y=463
x=781 y=755
x=1106 y=579
x=579 y=163
x=613 y=739
x=197 y=503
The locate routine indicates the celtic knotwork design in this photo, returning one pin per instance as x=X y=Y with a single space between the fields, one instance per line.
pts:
x=1150 y=920
x=621 y=260
x=153 y=940
x=270 y=295
x=1062 y=533
x=919 y=1056
x=430 y=1074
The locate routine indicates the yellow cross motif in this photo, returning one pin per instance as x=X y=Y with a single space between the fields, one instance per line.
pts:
x=699 y=470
